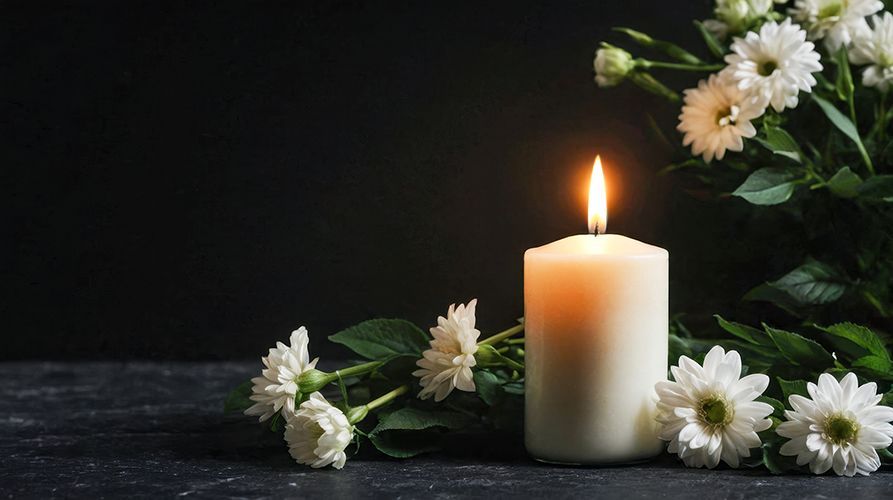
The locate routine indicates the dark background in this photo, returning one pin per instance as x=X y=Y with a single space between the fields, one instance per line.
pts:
x=196 y=179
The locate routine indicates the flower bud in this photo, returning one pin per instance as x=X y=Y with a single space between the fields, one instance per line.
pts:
x=612 y=65
x=739 y=15
x=313 y=380
x=486 y=355
x=356 y=414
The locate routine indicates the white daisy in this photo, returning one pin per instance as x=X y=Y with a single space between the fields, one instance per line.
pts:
x=447 y=365
x=875 y=47
x=318 y=433
x=716 y=116
x=775 y=64
x=709 y=413
x=841 y=427
x=278 y=384
x=837 y=21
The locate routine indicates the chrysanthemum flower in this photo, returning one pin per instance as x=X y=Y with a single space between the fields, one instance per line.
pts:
x=709 y=414
x=875 y=47
x=716 y=116
x=775 y=64
x=835 y=21
x=447 y=364
x=318 y=433
x=841 y=427
x=278 y=384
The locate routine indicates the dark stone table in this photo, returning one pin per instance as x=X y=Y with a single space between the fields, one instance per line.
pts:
x=157 y=429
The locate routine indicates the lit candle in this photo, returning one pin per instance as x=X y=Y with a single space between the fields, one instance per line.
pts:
x=596 y=320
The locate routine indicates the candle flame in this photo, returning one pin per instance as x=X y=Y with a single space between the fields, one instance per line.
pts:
x=598 y=201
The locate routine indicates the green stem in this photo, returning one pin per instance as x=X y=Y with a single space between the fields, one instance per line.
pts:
x=499 y=337
x=645 y=63
x=387 y=398
x=865 y=157
x=511 y=363
x=357 y=369
x=862 y=151
x=514 y=341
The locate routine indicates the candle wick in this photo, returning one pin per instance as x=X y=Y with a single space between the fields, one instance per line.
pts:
x=595 y=231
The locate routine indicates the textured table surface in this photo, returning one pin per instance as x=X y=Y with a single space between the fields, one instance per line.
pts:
x=157 y=429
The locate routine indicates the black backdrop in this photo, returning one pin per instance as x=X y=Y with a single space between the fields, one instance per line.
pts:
x=196 y=179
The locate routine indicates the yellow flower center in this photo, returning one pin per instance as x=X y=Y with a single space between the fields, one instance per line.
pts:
x=715 y=411
x=831 y=9
x=840 y=429
x=727 y=116
x=766 y=68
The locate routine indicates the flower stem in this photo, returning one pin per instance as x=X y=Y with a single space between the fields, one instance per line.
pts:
x=645 y=63
x=387 y=398
x=861 y=147
x=362 y=369
x=499 y=337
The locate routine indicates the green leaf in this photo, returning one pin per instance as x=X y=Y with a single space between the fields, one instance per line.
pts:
x=416 y=419
x=237 y=400
x=744 y=332
x=800 y=350
x=488 y=386
x=768 y=186
x=775 y=461
x=812 y=283
x=838 y=119
x=515 y=388
x=781 y=143
x=859 y=335
x=408 y=432
x=845 y=183
x=383 y=339
x=875 y=363
x=843 y=124
x=877 y=188
x=791 y=387
x=844 y=83
x=406 y=444
x=777 y=406
x=712 y=43
x=767 y=293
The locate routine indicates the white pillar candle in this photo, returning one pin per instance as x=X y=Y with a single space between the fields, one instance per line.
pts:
x=596 y=324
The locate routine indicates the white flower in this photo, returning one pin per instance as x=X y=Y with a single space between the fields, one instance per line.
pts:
x=611 y=65
x=715 y=117
x=447 y=365
x=840 y=427
x=837 y=21
x=775 y=64
x=709 y=413
x=875 y=47
x=278 y=384
x=318 y=433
